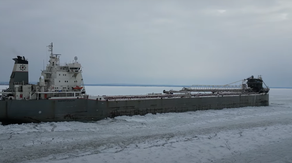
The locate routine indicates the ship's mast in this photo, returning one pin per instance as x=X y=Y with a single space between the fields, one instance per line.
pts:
x=51 y=48
x=54 y=58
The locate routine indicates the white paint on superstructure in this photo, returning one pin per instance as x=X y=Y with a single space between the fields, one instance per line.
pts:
x=55 y=81
x=62 y=78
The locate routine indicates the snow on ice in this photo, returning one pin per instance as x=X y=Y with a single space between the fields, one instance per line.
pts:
x=249 y=134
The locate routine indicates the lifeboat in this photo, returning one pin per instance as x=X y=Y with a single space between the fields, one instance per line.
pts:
x=77 y=88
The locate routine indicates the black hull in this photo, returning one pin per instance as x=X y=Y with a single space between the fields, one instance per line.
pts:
x=19 y=111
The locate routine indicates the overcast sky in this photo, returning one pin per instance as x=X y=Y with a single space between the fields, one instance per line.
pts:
x=152 y=42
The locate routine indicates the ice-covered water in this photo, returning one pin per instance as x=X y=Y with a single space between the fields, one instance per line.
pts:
x=249 y=134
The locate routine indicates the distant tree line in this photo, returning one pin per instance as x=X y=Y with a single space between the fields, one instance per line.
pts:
x=4 y=83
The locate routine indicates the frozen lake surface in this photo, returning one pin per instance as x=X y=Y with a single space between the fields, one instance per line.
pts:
x=249 y=134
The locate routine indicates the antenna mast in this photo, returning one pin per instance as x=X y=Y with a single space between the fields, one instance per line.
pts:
x=51 y=48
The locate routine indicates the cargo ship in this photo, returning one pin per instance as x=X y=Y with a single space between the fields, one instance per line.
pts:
x=60 y=95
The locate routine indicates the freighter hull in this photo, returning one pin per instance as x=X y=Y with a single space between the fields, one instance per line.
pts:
x=92 y=110
x=60 y=95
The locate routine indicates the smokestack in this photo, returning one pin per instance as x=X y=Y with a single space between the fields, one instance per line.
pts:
x=19 y=73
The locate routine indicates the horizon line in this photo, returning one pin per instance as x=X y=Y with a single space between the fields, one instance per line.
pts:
x=143 y=85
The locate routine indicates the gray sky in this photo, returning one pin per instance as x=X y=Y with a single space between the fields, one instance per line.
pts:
x=152 y=42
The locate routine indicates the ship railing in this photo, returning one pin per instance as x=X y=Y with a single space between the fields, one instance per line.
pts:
x=216 y=86
x=20 y=83
x=205 y=89
x=64 y=90
x=179 y=95
x=61 y=94
x=134 y=97
x=213 y=89
x=60 y=98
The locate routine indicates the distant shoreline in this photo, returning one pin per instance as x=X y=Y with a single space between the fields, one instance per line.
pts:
x=130 y=85
x=141 y=85
x=138 y=85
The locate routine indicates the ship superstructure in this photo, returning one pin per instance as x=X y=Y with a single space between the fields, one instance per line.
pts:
x=65 y=79
x=60 y=95
x=55 y=81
